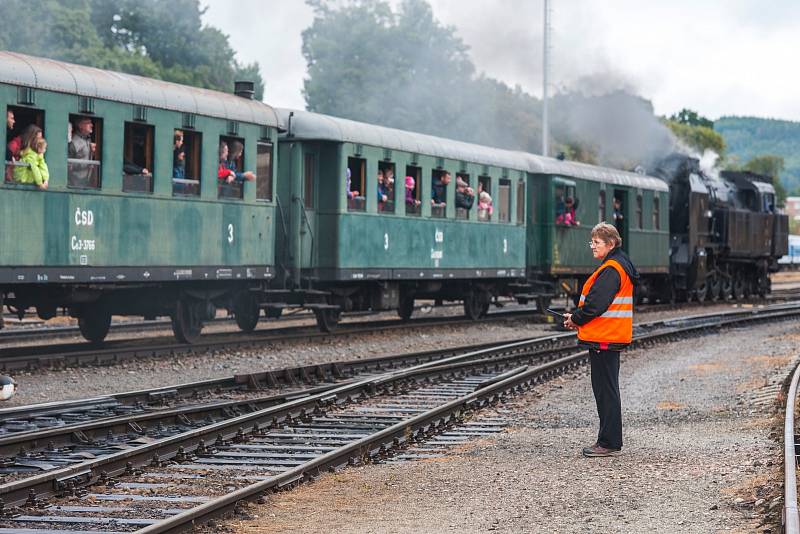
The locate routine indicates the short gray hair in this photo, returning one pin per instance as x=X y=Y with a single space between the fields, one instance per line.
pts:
x=608 y=233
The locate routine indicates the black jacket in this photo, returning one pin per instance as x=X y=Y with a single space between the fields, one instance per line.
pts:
x=602 y=292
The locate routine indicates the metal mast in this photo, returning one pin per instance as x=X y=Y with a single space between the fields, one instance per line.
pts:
x=545 y=74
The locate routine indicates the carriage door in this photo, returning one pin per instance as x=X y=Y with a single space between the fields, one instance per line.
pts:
x=621 y=206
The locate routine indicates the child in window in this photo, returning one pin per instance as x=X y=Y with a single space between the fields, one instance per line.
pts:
x=36 y=171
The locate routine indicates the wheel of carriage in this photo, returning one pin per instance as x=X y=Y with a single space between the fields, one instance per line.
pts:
x=714 y=288
x=187 y=320
x=738 y=287
x=542 y=303
x=94 y=324
x=473 y=306
x=405 y=307
x=327 y=319
x=486 y=301
x=246 y=310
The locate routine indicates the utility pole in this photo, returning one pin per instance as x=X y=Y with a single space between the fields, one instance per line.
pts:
x=545 y=75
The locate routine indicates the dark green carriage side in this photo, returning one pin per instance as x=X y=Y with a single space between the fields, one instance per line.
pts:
x=372 y=256
x=57 y=242
x=560 y=252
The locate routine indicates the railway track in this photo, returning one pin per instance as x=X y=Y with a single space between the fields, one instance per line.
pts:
x=167 y=483
x=112 y=352
x=790 y=517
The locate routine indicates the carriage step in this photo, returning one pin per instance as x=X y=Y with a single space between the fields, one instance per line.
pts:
x=273 y=305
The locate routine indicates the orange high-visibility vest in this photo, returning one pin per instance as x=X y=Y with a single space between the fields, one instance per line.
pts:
x=615 y=325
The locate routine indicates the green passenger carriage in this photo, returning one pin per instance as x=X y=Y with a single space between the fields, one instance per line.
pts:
x=559 y=252
x=382 y=255
x=116 y=233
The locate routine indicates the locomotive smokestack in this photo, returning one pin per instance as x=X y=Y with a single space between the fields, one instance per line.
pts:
x=244 y=89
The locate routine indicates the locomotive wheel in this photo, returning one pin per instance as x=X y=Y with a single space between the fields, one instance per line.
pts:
x=405 y=307
x=94 y=324
x=701 y=292
x=762 y=285
x=714 y=288
x=727 y=289
x=246 y=311
x=327 y=319
x=738 y=287
x=186 y=321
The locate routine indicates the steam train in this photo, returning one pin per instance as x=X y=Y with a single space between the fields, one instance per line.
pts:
x=313 y=230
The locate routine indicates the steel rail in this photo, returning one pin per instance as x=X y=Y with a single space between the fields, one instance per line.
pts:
x=76 y=354
x=791 y=518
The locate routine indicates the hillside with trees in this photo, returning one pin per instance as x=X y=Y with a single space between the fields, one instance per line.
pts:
x=749 y=137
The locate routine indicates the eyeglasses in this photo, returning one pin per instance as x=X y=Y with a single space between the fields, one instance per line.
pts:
x=593 y=244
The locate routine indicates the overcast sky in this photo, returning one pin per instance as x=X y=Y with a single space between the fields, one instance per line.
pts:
x=723 y=57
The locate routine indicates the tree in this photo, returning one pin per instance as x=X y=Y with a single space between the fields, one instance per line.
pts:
x=699 y=138
x=164 y=40
x=692 y=118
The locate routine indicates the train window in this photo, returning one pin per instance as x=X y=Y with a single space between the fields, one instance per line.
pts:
x=309 y=169
x=264 y=171
x=19 y=122
x=769 y=203
x=230 y=170
x=356 y=184
x=601 y=207
x=137 y=158
x=656 y=212
x=465 y=196
x=386 y=187
x=485 y=203
x=186 y=158
x=504 y=201
x=413 y=190
x=639 y=212
x=566 y=204
x=520 y=202
x=439 y=181
x=84 y=152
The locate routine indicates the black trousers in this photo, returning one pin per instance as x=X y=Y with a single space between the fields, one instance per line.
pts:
x=605 y=385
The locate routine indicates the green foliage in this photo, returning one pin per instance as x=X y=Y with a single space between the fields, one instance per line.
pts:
x=699 y=138
x=406 y=70
x=692 y=118
x=749 y=137
x=164 y=40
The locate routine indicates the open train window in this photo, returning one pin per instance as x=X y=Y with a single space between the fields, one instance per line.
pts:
x=356 y=184
x=639 y=212
x=440 y=179
x=504 y=200
x=485 y=201
x=19 y=121
x=601 y=207
x=413 y=190
x=84 y=151
x=566 y=203
x=656 y=212
x=521 y=202
x=231 y=168
x=465 y=196
x=186 y=159
x=137 y=158
x=309 y=170
x=264 y=171
x=386 y=181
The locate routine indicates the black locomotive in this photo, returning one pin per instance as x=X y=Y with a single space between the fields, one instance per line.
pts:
x=725 y=234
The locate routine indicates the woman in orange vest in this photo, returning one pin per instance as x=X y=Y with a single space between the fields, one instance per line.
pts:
x=604 y=321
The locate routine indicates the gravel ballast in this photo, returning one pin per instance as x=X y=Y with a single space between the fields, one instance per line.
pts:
x=700 y=456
